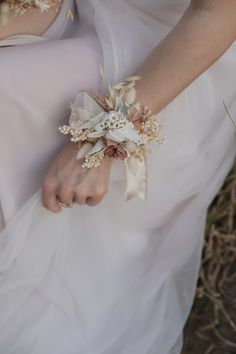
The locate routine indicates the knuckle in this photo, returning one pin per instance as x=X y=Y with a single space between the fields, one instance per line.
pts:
x=100 y=192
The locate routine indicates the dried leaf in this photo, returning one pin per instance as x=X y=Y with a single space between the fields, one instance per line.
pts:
x=109 y=104
x=101 y=71
x=96 y=134
x=70 y=15
x=118 y=86
x=130 y=96
x=97 y=148
x=134 y=78
x=84 y=149
x=130 y=146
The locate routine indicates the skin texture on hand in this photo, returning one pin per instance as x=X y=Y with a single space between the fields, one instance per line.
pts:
x=68 y=180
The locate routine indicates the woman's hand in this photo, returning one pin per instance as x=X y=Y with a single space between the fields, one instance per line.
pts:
x=69 y=181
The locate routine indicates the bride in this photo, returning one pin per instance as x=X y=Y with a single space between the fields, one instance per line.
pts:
x=118 y=278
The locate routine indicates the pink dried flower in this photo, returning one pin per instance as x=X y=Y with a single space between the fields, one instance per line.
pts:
x=135 y=117
x=116 y=152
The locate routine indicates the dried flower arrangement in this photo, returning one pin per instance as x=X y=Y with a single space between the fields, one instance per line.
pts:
x=113 y=126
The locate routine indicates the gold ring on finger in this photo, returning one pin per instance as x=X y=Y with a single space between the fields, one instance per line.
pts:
x=63 y=204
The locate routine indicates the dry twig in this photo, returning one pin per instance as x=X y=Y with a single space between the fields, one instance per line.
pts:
x=212 y=324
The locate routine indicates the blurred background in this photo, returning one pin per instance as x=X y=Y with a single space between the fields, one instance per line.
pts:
x=211 y=328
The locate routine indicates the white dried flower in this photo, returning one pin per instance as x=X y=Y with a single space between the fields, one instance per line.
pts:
x=42 y=5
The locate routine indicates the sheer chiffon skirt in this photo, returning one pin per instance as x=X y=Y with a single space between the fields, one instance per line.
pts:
x=120 y=277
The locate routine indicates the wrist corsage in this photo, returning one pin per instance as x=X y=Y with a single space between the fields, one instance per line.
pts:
x=114 y=126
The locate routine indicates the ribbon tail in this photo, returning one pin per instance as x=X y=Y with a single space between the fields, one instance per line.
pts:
x=136 y=178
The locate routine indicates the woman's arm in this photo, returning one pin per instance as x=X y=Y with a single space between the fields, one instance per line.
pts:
x=204 y=33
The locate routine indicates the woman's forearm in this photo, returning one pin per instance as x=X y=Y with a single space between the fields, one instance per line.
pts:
x=205 y=32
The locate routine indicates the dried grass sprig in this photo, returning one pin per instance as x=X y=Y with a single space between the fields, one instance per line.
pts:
x=213 y=315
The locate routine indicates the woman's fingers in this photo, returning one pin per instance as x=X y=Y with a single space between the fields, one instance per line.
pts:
x=90 y=196
x=53 y=194
x=49 y=193
x=97 y=196
x=91 y=201
x=67 y=182
x=80 y=197
x=66 y=194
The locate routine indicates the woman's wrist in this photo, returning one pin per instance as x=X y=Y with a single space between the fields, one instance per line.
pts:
x=186 y=52
x=144 y=95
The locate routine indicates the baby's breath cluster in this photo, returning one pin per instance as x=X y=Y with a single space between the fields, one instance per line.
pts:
x=93 y=161
x=76 y=134
x=149 y=131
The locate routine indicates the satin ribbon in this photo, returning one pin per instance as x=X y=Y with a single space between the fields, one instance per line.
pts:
x=136 y=178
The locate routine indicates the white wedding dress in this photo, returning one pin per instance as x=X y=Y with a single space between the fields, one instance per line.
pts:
x=118 y=278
